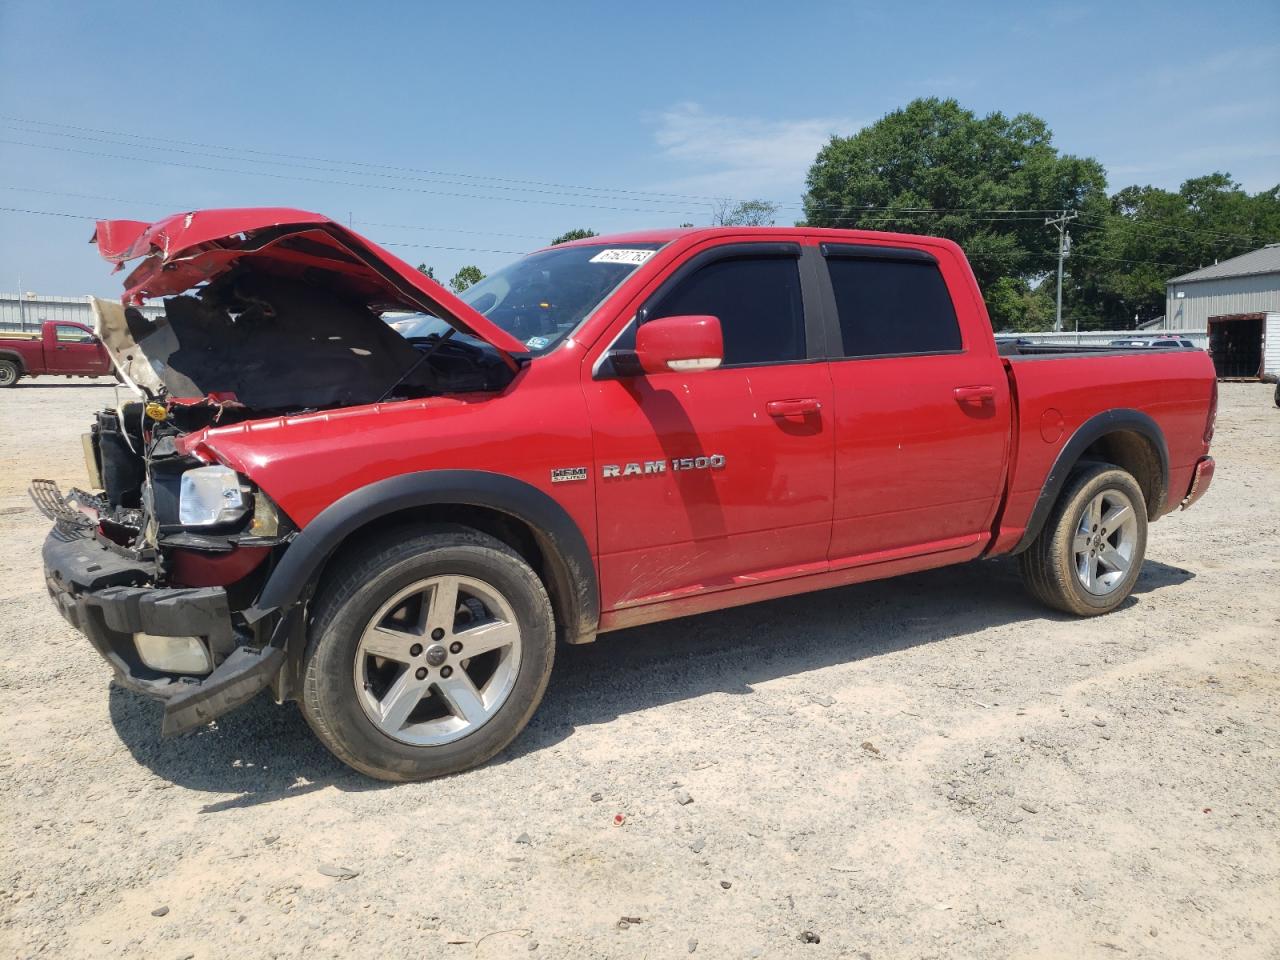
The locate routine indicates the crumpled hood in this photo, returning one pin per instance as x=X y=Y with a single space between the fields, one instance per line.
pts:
x=187 y=249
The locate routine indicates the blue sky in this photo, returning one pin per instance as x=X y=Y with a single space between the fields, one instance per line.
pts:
x=495 y=126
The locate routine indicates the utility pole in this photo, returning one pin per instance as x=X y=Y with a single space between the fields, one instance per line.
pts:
x=1064 y=248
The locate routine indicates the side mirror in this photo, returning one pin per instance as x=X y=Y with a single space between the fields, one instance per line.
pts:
x=680 y=344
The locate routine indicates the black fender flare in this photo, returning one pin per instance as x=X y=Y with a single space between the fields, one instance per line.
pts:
x=1093 y=429
x=563 y=545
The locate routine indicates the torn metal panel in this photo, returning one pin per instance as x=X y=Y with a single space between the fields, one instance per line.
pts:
x=270 y=342
x=188 y=249
x=141 y=359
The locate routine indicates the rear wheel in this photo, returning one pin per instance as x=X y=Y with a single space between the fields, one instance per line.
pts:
x=1089 y=554
x=428 y=654
x=9 y=373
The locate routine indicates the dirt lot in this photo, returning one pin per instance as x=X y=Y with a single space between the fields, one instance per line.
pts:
x=929 y=767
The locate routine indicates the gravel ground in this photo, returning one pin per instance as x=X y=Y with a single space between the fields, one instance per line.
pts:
x=926 y=767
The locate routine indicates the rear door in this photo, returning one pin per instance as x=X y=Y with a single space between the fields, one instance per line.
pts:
x=922 y=406
x=721 y=478
x=74 y=349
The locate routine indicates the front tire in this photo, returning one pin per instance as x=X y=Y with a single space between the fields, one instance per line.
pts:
x=428 y=653
x=1089 y=554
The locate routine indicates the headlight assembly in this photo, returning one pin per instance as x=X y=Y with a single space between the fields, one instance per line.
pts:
x=209 y=496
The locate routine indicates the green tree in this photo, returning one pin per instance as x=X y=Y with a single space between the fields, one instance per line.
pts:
x=986 y=182
x=429 y=271
x=465 y=277
x=1147 y=235
x=1017 y=306
x=748 y=213
x=578 y=233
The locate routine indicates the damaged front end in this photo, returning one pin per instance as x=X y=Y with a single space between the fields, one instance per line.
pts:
x=156 y=567
x=267 y=313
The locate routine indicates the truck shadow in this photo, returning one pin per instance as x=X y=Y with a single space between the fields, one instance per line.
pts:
x=263 y=752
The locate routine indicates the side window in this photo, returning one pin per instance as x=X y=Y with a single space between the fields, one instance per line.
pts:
x=893 y=307
x=758 y=302
x=69 y=334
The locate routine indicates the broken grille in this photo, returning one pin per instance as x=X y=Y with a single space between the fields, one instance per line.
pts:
x=50 y=501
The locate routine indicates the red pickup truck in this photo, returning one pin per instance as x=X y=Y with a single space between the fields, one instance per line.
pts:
x=61 y=349
x=395 y=530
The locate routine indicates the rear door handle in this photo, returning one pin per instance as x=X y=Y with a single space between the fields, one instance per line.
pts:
x=793 y=408
x=975 y=396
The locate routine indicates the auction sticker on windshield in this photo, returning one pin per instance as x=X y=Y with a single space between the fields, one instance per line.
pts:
x=635 y=257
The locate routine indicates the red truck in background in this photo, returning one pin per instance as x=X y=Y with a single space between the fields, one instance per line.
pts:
x=61 y=349
x=395 y=530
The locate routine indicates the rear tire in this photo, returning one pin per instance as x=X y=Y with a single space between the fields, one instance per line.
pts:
x=1089 y=554
x=428 y=653
x=9 y=373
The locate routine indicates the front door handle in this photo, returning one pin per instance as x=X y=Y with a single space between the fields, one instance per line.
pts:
x=976 y=396
x=793 y=408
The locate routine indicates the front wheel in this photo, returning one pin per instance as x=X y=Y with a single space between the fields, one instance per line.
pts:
x=1089 y=554
x=428 y=653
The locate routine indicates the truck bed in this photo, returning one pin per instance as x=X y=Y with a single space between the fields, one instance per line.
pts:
x=1011 y=349
x=1157 y=396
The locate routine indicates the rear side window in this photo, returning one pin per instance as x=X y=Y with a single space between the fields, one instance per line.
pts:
x=889 y=307
x=758 y=303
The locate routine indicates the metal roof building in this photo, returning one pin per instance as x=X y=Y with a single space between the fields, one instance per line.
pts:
x=25 y=312
x=1238 y=302
x=1249 y=283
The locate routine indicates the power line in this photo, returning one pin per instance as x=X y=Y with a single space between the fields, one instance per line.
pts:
x=49 y=213
x=174 y=206
x=339 y=183
x=1191 y=231
x=302 y=166
x=92 y=196
x=385 y=243
x=430 y=246
x=1159 y=263
x=357 y=163
x=903 y=212
x=664 y=197
x=483 y=233
x=523 y=185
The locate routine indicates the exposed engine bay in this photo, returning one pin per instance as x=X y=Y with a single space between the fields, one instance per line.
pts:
x=248 y=345
x=279 y=345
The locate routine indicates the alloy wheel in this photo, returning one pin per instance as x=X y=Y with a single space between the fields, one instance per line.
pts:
x=437 y=660
x=1104 y=542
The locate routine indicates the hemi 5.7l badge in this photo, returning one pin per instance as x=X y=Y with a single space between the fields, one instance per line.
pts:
x=565 y=474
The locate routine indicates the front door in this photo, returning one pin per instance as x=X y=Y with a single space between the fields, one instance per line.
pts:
x=720 y=478
x=75 y=350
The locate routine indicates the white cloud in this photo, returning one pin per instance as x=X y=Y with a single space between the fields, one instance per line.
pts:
x=741 y=157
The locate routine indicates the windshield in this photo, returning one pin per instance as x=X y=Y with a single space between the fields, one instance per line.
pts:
x=543 y=298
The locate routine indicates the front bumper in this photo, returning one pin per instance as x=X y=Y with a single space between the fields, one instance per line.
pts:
x=109 y=598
